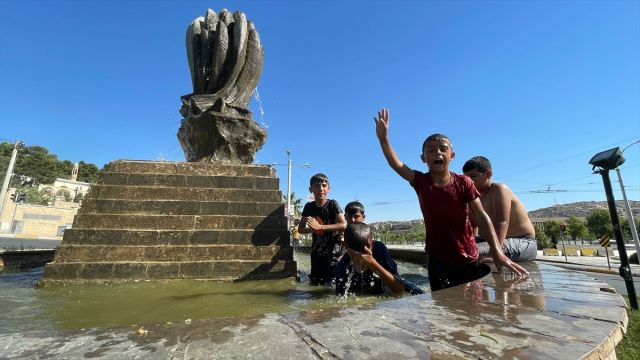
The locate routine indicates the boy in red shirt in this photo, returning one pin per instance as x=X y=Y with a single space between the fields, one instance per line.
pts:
x=445 y=201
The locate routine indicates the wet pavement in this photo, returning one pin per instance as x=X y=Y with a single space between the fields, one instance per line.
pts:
x=554 y=313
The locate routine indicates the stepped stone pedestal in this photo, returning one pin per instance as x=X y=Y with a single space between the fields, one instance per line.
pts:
x=165 y=220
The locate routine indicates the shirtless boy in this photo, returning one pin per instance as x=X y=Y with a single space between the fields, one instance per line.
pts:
x=515 y=231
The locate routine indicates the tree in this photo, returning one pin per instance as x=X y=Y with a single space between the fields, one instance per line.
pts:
x=599 y=223
x=576 y=228
x=44 y=167
x=552 y=229
x=543 y=239
x=296 y=203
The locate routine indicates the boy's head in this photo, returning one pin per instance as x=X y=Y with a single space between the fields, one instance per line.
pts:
x=478 y=168
x=354 y=212
x=357 y=236
x=319 y=186
x=437 y=152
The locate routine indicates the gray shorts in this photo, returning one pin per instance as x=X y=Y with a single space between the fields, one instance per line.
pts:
x=516 y=249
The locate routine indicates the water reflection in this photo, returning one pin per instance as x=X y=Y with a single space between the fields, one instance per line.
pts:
x=509 y=292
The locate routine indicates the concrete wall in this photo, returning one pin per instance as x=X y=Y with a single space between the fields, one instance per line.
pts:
x=36 y=221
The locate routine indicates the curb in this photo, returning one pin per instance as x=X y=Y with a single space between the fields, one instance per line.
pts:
x=574 y=266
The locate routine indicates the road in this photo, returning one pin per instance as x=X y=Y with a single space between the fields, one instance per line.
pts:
x=21 y=243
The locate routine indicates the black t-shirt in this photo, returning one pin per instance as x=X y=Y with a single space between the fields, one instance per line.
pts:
x=324 y=242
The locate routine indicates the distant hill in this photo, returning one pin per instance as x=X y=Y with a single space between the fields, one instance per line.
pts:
x=580 y=209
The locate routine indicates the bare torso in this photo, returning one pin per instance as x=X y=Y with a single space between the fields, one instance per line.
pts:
x=519 y=224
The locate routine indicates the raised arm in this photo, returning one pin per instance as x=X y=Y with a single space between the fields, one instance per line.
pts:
x=486 y=228
x=382 y=132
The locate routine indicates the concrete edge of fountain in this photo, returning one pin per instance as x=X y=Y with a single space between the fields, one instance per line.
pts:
x=568 y=316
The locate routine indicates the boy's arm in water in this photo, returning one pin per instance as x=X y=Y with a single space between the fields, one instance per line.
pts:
x=382 y=132
x=486 y=228
x=367 y=260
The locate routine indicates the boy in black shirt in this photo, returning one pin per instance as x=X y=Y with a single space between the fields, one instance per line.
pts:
x=323 y=217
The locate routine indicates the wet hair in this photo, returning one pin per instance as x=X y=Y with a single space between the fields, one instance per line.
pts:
x=433 y=137
x=318 y=178
x=353 y=207
x=356 y=236
x=479 y=163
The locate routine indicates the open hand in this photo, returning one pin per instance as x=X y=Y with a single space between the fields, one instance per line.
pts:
x=382 y=123
x=499 y=259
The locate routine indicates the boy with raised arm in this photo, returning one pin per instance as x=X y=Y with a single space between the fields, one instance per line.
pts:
x=515 y=231
x=323 y=217
x=445 y=201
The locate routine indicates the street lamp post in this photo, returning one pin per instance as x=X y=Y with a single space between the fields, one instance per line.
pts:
x=605 y=161
x=7 y=177
x=288 y=212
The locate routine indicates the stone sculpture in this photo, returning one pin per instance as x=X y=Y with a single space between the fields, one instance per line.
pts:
x=225 y=60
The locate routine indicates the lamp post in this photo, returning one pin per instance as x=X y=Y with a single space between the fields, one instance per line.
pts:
x=7 y=177
x=288 y=212
x=605 y=161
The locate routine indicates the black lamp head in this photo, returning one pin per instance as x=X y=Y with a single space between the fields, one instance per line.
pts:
x=608 y=159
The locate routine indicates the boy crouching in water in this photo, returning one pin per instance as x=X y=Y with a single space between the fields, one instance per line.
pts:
x=368 y=260
x=372 y=269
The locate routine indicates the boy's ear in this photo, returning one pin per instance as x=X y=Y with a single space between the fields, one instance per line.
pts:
x=423 y=159
x=453 y=154
x=489 y=173
x=310 y=189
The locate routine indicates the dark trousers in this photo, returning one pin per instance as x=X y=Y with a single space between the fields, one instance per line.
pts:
x=443 y=275
x=322 y=268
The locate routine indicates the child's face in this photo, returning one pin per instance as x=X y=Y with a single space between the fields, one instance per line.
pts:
x=480 y=179
x=320 y=190
x=358 y=217
x=437 y=154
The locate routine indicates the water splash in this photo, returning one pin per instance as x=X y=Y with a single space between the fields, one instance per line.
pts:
x=256 y=95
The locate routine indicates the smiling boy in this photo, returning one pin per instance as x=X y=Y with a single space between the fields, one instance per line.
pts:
x=323 y=217
x=445 y=198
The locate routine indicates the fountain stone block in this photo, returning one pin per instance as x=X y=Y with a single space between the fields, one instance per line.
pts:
x=166 y=220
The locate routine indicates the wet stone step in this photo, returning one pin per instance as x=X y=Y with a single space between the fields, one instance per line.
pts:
x=260 y=237
x=180 y=207
x=178 y=222
x=205 y=270
x=175 y=193
x=97 y=253
x=192 y=181
x=164 y=167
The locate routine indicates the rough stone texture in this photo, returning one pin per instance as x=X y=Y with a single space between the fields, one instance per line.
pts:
x=225 y=59
x=159 y=220
x=554 y=314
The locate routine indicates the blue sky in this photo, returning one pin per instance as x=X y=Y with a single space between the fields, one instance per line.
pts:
x=537 y=87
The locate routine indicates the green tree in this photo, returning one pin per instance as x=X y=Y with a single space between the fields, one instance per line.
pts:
x=552 y=229
x=33 y=196
x=543 y=240
x=576 y=228
x=296 y=203
x=599 y=223
x=44 y=167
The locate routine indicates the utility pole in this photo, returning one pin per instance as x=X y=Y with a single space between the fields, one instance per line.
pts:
x=289 y=190
x=632 y=224
x=7 y=177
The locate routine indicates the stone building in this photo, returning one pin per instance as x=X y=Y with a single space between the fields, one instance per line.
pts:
x=44 y=221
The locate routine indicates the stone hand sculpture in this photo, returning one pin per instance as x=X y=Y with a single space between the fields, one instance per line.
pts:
x=225 y=60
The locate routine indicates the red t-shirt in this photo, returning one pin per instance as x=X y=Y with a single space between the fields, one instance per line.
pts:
x=446 y=217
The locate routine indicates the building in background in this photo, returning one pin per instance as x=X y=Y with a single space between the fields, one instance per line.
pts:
x=44 y=221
